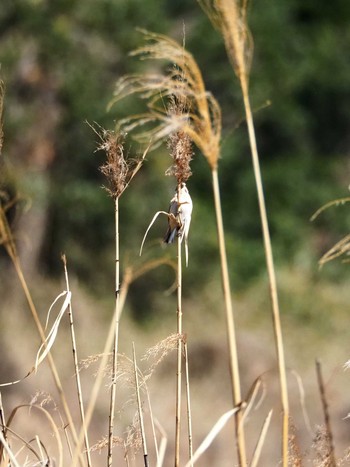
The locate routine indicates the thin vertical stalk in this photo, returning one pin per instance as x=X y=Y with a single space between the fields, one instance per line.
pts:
x=3 y=430
x=179 y=352
x=139 y=407
x=189 y=413
x=116 y=337
x=231 y=333
x=327 y=421
x=76 y=367
x=271 y=273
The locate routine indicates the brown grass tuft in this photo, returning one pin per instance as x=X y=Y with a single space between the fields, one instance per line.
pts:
x=179 y=144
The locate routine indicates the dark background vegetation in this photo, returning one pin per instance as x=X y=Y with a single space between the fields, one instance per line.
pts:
x=59 y=61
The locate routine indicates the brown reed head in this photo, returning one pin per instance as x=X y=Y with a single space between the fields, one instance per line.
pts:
x=118 y=168
x=201 y=122
x=179 y=144
x=115 y=169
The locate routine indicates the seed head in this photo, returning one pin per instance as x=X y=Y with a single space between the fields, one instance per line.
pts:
x=179 y=144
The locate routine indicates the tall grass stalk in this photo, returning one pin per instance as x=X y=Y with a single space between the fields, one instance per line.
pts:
x=3 y=431
x=116 y=335
x=76 y=367
x=234 y=366
x=189 y=412
x=230 y=17
x=179 y=351
x=272 y=277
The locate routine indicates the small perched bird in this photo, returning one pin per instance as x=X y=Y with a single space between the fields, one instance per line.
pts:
x=180 y=220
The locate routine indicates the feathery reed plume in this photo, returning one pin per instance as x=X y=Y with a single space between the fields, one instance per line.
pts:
x=202 y=123
x=119 y=171
x=230 y=17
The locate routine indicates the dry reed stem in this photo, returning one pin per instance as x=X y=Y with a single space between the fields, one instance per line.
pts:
x=231 y=334
x=272 y=277
x=10 y=247
x=3 y=430
x=189 y=412
x=179 y=352
x=139 y=408
x=230 y=16
x=116 y=336
x=331 y=454
x=76 y=366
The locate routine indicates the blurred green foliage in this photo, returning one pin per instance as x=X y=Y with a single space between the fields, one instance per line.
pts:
x=64 y=57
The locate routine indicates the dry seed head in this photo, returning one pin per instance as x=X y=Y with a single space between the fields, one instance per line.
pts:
x=115 y=169
x=180 y=145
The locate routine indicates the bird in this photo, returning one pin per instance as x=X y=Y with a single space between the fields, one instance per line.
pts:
x=179 y=218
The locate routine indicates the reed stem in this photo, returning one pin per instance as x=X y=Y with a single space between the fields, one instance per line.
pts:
x=116 y=338
x=271 y=273
x=76 y=367
x=179 y=351
x=231 y=333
